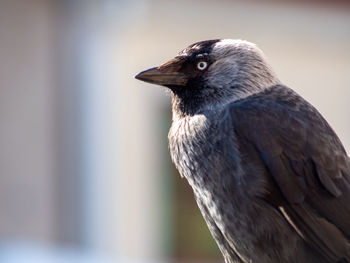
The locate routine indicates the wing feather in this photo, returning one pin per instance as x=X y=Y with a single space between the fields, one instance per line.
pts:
x=307 y=162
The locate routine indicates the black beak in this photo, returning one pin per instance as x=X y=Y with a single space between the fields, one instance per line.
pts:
x=166 y=75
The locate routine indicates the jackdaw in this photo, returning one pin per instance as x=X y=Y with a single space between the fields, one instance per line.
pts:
x=270 y=176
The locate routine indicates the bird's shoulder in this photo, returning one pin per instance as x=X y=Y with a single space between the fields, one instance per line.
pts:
x=280 y=123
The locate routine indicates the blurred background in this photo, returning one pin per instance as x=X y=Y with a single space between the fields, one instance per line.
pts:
x=85 y=174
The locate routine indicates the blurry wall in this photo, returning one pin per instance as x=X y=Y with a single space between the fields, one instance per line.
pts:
x=67 y=133
x=27 y=152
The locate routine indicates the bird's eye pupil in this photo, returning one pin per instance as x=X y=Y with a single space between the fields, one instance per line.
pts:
x=202 y=65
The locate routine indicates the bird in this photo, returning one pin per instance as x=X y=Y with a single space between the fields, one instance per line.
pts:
x=269 y=175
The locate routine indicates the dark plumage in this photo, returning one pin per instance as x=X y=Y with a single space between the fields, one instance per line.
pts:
x=269 y=174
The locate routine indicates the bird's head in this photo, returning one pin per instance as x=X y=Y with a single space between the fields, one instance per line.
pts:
x=212 y=73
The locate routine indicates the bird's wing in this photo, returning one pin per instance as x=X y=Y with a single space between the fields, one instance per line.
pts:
x=307 y=163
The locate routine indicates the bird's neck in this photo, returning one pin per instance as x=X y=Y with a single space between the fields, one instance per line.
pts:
x=183 y=104
x=187 y=103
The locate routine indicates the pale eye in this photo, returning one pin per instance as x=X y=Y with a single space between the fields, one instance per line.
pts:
x=202 y=65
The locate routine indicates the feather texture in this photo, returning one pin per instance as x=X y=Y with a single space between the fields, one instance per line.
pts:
x=270 y=177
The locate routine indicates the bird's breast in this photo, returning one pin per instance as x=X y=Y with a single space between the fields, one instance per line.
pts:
x=206 y=153
x=188 y=143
